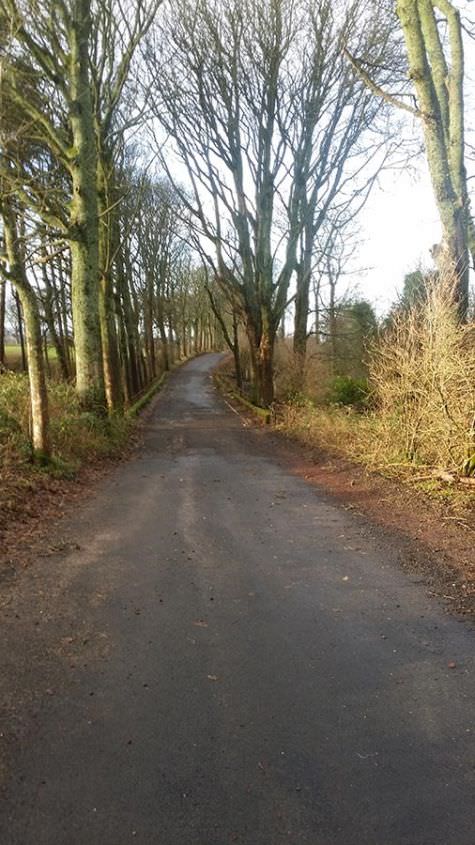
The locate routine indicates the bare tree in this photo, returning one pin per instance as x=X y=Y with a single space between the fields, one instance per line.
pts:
x=64 y=72
x=161 y=237
x=241 y=87
x=49 y=49
x=14 y=267
x=117 y=33
x=342 y=139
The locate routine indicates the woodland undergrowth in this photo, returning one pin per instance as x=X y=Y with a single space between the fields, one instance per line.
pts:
x=418 y=416
x=77 y=436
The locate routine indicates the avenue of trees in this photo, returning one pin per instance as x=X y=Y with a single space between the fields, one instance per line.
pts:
x=93 y=245
x=177 y=176
x=280 y=139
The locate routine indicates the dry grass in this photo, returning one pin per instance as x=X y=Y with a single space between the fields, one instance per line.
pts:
x=341 y=430
x=317 y=376
x=423 y=375
x=422 y=378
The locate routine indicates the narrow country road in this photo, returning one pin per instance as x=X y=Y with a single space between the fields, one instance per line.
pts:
x=215 y=653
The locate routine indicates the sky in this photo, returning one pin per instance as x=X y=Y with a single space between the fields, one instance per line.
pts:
x=398 y=226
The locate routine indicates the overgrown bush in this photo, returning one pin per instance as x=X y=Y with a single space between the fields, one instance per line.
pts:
x=423 y=375
x=317 y=375
x=422 y=390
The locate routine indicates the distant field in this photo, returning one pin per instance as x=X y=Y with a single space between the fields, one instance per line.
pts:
x=13 y=355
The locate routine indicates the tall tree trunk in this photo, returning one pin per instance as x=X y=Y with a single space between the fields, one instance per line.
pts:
x=265 y=372
x=316 y=299
x=148 y=328
x=109 y=344
x=163 y=337
x=236 y=351
x=3 y=290
x=64 y=312
x=29 y=304
x=127 y=391
x=48 y=310
x=183 y=341
x=332 y=323
x=439 y=88
x=134 y=313
x=21 y=334
x=46 y=354
x=300 y=329
x=171 y=340
x=261 y=344
x=109 y=339
x=58 y=316
x=302 y=297
x=84 y=220
x=133 y=350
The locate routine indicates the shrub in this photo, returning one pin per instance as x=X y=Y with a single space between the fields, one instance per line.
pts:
x=419 y=402
x=346 y=390
x=314 y=385
x=423 y=375
x=76 y=436
x=14 y=416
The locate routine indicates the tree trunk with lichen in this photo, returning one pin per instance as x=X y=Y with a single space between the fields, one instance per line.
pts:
x=48 y=300
x=236 y=351
x=302 y=303
x=163 y=336
x=84 y=218
x=261 y=346
x=3 y=289
x=107 y=317
x=439 y=88
x=36 y=371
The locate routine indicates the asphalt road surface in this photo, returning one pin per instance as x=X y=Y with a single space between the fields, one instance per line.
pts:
x=216 y=653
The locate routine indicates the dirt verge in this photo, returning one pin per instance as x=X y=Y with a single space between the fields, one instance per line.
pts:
x=435 y=539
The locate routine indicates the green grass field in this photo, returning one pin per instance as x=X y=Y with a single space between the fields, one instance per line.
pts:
x=12 y=352
x=13 y=355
